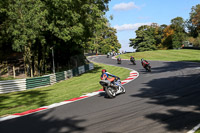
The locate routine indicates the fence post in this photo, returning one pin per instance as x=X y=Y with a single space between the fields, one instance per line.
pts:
x=13 y=71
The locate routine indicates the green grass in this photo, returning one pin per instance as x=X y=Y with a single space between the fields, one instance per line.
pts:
x=18 y=102
x=198 y=131
x=166 y=55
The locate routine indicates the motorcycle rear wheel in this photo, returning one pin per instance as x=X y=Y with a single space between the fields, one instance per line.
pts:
x=148 y=69
x=110 y=92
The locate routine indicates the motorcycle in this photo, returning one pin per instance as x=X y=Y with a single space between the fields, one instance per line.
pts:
x=112 y=88
x=147 y=67
x=119 y=61
x=133 y=61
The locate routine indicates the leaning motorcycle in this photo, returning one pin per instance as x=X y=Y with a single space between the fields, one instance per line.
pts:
x=119 y=61
x=148 y=67
x=112 y=88
x=133 y=61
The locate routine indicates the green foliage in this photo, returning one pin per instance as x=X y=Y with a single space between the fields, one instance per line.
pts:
x=34 y=26
x=160 y=37
x=178 y=25
x=146 y=38
x=193 y=25
x=26 y=21
x=196 y=42
x=194 y=21
x=104 y=39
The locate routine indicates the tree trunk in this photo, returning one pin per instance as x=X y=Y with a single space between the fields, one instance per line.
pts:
x=13 y=71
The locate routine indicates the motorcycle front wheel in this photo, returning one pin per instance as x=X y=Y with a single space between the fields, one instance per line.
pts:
x=110 y=92
x=123 y=89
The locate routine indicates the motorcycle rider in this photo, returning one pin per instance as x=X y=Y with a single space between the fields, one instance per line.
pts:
x=132 y=58
x=119 y=60
x=144 y=62
x=108 y=54
x=105 y=76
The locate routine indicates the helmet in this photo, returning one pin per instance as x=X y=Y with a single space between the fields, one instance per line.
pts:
x=103 y=70
x=142 y=59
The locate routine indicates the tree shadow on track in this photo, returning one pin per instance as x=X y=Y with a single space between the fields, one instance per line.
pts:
x=158 y=67
x=41 y=123
x=180 y=97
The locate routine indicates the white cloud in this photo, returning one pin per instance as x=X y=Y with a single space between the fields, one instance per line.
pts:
x=130 y=26
x=125 y=6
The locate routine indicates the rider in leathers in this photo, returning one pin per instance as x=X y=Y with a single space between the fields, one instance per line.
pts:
x=144 y=63
x=105 y=76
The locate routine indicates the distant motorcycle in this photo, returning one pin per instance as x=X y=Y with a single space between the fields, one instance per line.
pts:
x=112 y=88
x=119 y=60
x=132 y=59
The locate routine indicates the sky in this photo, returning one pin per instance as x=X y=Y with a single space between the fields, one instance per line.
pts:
x=128 y=15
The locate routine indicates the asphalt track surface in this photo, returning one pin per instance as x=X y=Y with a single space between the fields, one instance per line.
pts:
x=167 y=100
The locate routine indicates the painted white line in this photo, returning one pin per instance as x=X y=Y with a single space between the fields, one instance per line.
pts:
x=92 y=94
x=56 y=104
x=194 y=129
x=8 y=117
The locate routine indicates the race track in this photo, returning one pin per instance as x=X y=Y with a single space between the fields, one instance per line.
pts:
x=167 y=100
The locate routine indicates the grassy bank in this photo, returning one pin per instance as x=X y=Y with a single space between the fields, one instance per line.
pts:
x=17 y=102
x=166 y=55
x=198 y=131
x=6 y=78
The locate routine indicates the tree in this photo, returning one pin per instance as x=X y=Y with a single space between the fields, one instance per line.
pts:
x=104 y=40
x=167 y=38
x=110 y=42
x=145 y=40
x=178 y=25
x=25 y=21
x=34 y=26
x=194 y=21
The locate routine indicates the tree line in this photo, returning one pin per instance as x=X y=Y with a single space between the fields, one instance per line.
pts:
x=173 y=36
x=69 y=27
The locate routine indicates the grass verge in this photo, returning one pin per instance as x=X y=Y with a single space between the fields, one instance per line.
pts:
x=7 y=78
x=166 y=55
x=18 y=102
x=198 y=131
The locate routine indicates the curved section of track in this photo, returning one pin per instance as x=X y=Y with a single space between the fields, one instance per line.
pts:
x=165 y=100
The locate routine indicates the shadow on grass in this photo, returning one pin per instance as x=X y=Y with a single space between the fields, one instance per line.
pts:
x=42 y=123
x=22 y=99
x=180 y=95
